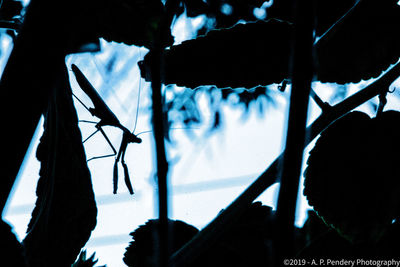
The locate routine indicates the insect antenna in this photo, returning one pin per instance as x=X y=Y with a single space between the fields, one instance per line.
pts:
x=138 y=100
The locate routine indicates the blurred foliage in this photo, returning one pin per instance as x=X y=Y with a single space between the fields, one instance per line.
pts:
x=222 y=13
x=183 y=105
x=10 y=9
x=11 y=16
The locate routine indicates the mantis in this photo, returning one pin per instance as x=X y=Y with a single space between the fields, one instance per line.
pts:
x=107 y=118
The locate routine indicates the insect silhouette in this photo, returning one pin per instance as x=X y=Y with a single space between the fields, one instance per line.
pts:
x=107 y=118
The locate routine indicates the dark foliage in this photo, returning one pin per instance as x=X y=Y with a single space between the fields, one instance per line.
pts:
x=138 y=22
x=329 y=244
x=258 y=53
x=363 y=46
x=352 y=176
x=65 y=211
x=143 y=250
x=10 y=10
x=222 y=13
x=327 y=13
x=12 y=253
x=131 y=22
x=11 y=16
x=248 y=242
x=82 y=261
x=247 y=55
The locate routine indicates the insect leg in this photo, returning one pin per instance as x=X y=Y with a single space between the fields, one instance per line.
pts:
x=115 y=174
x=108 y=141
x=126 y=173
x=87 y=138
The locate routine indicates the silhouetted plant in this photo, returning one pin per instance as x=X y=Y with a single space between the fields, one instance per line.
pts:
x=83 y=261
x=65 y=211
x=352 y=175
x=351 y=179
x=247 y=242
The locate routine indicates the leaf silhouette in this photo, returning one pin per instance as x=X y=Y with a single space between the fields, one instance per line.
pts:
x=352 y=179
x=133 y=22
x=245 y=243
x=140 y=251
x=12 y=250
x=363 y=46
x=137 y=22
x=65 y=211
x=246 y=55
x=327 y=13
x=360 y=47
x=83 y=261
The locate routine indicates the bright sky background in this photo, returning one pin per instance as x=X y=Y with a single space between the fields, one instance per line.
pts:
x=206 y=173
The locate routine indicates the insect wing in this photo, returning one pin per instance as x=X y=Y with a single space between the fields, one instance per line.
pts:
x=101 y=109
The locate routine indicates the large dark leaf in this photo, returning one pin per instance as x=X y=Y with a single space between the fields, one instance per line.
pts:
x=247 y=241
x=363 y=45
x=65 y=211
x=352 y=175
x=137 y=22
x=12 y=252
x=246 y=55
x=327 y=12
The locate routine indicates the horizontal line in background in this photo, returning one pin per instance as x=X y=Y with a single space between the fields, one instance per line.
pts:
x=111 y=199
x=213 y=184
x=109 y=240
x=100 y=200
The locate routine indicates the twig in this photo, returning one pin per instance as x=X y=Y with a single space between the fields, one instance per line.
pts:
x=322 y=104
x=221 y=223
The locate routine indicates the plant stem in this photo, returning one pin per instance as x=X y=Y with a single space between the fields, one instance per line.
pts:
x=302 y=73
x=221 y=223
x=161 y=161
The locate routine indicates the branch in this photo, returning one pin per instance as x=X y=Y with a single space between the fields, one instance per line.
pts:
x=221 y=223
